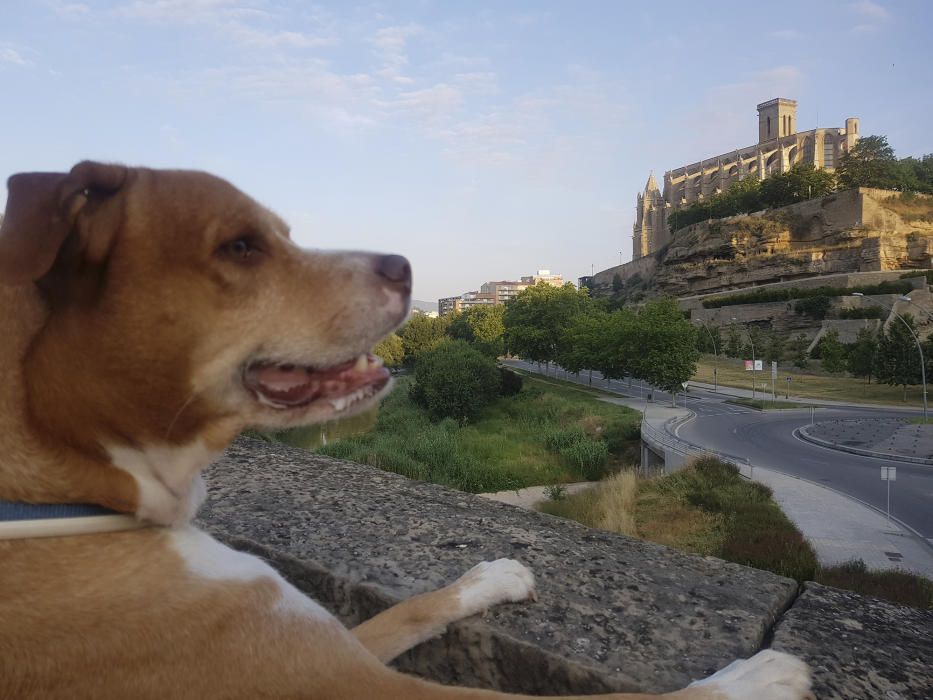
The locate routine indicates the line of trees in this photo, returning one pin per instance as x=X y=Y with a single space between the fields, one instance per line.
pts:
x=565 y=326
x=888 y=355
x=871 y=163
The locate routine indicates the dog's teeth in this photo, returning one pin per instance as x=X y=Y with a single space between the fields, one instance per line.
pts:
x=376 y=361
x=339 y=403
x=362 y=363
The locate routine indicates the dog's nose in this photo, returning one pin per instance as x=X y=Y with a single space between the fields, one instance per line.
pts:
x=395 y=269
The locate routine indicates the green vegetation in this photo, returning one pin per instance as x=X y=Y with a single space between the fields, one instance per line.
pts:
x=872 y=164
x=391 y=349
x=422 y=334
x=801 y=182
x=763 y=295
x=455 y=381
x=504 y=447
x=861 y=312
x=709 y=509
x=482 y=327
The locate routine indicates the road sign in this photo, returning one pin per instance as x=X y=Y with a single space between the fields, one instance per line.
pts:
x=684 y=384
x=889 y=474
x=773 y=370
x=749 y=365
x=758 y=365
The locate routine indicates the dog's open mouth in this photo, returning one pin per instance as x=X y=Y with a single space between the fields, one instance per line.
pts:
x=286 y=386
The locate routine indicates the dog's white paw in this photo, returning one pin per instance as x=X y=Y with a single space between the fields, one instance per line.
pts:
x=492 y=582
x=768 y=675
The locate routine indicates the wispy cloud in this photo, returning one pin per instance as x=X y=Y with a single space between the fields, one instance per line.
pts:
x=68 y=10
x=870 y=17
x=254 y=25
x=870 y=9
x=10 y=55
x=391 y=46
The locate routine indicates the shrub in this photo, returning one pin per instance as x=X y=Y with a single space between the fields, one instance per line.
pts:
x=589 y=456
x=511 y=382
x=761 y=296
x=455 y=381
x=561 y=438
x=815 y=307
x=863 y=312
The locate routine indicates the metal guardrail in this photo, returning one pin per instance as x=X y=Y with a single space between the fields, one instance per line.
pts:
x=662 y=441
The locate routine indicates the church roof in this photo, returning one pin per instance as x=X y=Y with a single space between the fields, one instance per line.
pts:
x=652 y=185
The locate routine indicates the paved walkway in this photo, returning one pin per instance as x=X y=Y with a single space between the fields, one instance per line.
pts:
x=529 y=497
x=892 y=438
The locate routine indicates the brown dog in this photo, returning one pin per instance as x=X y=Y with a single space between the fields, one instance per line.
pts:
x=149 y=317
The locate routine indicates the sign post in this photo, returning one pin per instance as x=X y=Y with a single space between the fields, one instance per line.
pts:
x=684 y=385
x=787 y=391
x=773 y=380
x=889 y=474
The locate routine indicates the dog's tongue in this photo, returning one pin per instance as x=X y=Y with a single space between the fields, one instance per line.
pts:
x=293 y=385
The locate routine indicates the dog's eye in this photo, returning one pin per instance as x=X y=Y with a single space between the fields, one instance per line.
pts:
x=239 y=248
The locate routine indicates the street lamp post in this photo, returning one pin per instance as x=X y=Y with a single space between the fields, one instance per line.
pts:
x=752 y=343
x=715 y=355
x=923 y=371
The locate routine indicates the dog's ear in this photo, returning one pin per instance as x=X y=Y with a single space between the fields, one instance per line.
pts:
x=41 y=212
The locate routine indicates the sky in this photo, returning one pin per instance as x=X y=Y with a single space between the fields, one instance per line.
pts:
x=483 y=140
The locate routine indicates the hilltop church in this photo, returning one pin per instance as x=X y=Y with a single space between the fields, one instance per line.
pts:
x=780 y=146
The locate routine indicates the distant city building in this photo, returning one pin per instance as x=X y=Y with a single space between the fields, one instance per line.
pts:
x=780 y=147
x=495 y=292
x=544 y=276
x=449 y=305
x=503 y=291
x=471 y=299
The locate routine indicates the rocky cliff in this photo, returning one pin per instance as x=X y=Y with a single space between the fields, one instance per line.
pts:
x=855 y=231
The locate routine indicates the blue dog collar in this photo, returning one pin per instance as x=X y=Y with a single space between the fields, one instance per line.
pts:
x=29 y=520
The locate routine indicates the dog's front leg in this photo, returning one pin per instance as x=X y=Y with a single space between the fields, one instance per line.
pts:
x=425 y=616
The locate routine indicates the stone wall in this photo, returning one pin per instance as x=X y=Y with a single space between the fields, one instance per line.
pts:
x=613 y=613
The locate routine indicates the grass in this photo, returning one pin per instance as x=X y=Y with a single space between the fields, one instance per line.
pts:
x=919 y=420
x=547 y=434
x=810 y=384
x=709 y=509
x=767 y=405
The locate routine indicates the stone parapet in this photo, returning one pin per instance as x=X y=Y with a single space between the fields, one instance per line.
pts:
x=613 y=613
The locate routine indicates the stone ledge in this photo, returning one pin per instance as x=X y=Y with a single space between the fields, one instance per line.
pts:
x=859 y=647
x=614 y=613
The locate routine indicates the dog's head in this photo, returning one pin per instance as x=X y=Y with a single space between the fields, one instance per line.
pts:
x=180 y=310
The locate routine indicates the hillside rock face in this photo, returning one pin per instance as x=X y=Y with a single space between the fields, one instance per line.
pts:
x=863 y=230
x=855 y=231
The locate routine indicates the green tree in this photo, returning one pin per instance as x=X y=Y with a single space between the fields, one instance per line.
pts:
x=583 y=341
x=861 y=358
x=803 y=181
x=482 y=327
x=734 y=343
x=536 y=319
x=798 y=347
x=421 y=334
x=871 y=163
x=917 y=173
x=455 y=381
x=774 y=347
x=832 y=352
x=664 y=345
x=897 y=361
x=391 y=349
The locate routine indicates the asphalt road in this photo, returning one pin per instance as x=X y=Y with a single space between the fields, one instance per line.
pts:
x=766 y=439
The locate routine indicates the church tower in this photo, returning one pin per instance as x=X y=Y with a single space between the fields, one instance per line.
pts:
x=648 y=232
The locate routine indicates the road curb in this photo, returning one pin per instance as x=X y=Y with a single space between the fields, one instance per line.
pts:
x=805 y=436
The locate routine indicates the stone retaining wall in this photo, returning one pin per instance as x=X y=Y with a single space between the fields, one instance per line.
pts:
x=613 y=613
